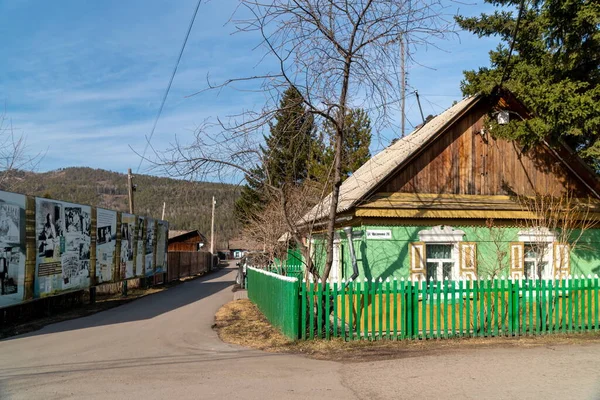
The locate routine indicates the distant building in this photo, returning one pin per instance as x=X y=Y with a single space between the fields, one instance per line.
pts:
x=239 y=247
x=187 y=241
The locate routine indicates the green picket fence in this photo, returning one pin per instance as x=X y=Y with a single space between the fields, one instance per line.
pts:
x=296 y=271
x=401 y=309
x=277 y=297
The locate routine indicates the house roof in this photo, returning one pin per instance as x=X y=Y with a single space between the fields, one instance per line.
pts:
x=380 y=166
x=173 y=234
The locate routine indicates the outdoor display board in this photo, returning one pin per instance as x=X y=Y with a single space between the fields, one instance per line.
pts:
x=58 y=258
x=162 y=238
x=12 y=248
x=63 y=246
x=106 y=239
x=140 y=250
x=127 y=245
x=149 y=247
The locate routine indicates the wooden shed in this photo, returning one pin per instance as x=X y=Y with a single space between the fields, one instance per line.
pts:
x=187 y=241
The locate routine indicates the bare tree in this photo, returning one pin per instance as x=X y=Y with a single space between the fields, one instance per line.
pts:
x=337 y=55
x=497 y=238
x=566 y=217
x=13 y=153
x=270 y=227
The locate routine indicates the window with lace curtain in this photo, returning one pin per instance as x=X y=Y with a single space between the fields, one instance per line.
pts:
x=439 y=261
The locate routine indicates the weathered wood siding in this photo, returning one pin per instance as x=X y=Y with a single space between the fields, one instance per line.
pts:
x=183 y=246
x=461 y=161
x=188 y=242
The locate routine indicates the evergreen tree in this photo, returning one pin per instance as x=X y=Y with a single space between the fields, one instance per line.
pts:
x=252 y=197
x=554 y=70
x=289 y=144
x=284 y=157
x=355 y=151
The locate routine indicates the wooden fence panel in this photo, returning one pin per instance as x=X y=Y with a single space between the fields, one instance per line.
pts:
x=394 y=310
x=187 y=263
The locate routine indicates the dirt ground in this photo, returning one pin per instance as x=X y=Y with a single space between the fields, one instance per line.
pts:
x=240 y=322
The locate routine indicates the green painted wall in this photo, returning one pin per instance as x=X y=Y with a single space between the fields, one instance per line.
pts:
x=389 y=258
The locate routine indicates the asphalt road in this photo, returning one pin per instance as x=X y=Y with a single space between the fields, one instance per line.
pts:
x=162 y=347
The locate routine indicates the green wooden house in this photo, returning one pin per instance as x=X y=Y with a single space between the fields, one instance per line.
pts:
x=451 y=201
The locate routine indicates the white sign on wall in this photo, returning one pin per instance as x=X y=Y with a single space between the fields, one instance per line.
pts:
x=379 y=234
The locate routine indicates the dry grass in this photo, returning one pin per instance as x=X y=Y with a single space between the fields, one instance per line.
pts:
x=240 y=322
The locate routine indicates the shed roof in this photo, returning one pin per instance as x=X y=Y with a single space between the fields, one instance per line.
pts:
x=177 y=233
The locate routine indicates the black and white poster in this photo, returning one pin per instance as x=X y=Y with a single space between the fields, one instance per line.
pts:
x=105 y=244
x=140 y=252
x=127 y=245
x=12 y=248
x=161 y=246
x=149 y=247
x=63 y=246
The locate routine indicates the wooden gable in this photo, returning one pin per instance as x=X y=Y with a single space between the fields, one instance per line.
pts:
x=462 y=161
x=465 y=168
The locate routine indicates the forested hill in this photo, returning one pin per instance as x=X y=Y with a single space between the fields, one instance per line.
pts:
x=188 y=203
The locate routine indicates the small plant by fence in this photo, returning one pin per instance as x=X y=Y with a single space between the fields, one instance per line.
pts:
x=277 y=298
x=427 y=310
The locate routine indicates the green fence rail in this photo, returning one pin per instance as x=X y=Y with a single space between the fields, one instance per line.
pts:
x=296 y=271
x=401 y=309
x=277 y=297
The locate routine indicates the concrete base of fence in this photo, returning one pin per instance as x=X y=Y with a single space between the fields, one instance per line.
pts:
x=240 y=295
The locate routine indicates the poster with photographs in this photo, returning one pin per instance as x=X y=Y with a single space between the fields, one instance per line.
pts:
x=106 y=239
x=140 y=252
x=12 y=248
x=161 y=246
x=127 y=245
x=63 y=246
x=149 y=247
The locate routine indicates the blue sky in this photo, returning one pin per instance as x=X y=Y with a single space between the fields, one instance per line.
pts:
x=83 y=80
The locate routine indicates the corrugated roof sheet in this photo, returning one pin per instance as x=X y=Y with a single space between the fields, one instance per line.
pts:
x=364 y=179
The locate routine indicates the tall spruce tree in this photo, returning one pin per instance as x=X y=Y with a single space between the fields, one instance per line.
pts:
x=252 y=196
x=355 y=151
x=285 y=155
x=554 y=69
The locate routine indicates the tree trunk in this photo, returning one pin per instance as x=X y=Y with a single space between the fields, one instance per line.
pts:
x=337 y=167
x=337 y=182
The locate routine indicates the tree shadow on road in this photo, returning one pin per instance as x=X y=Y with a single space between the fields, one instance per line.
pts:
x=146 y=307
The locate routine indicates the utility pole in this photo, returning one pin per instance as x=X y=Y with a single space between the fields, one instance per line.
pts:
x=212 y=228
x=403 y=85
x=130 y=190
x=164 y=207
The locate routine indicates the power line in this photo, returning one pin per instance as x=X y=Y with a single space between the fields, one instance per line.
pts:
x=164 y=99
x=512 y=44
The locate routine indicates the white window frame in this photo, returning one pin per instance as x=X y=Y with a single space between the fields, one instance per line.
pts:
x=440 y=262
x=443 y=235
x=541 y=238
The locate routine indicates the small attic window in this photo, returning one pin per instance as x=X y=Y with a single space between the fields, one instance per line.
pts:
x=503 y=117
